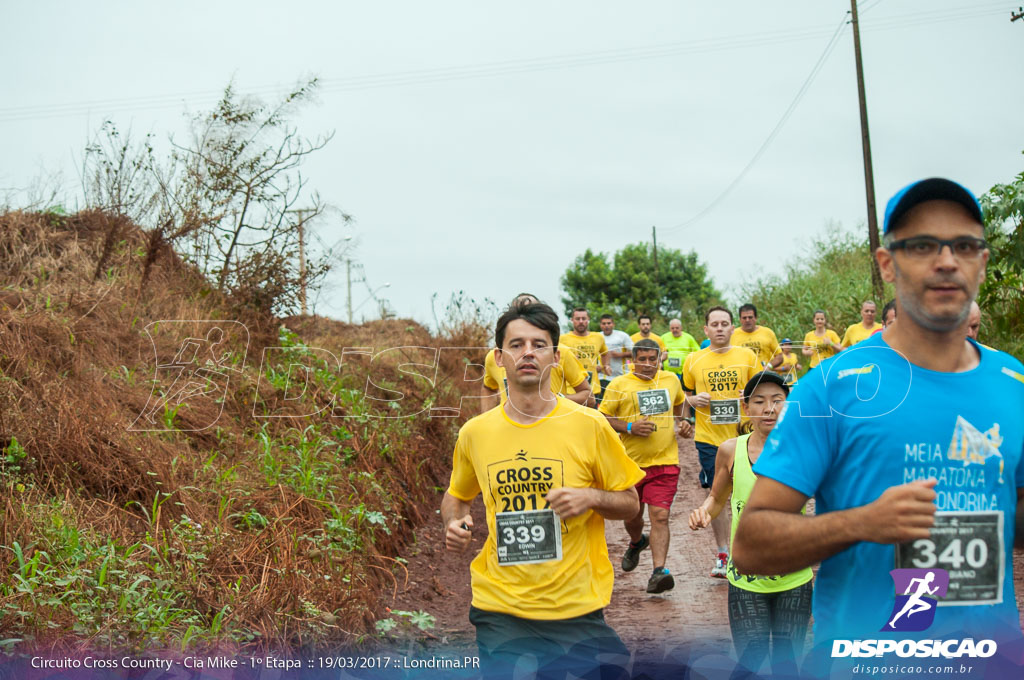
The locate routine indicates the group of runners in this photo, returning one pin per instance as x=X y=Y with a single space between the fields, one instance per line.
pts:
x=891 y=460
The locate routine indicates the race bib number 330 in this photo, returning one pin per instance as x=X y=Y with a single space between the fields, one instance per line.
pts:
x=725 y=411
x=969 y=545
x=527 y=537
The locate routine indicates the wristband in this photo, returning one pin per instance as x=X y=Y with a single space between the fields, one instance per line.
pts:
x=629 y=428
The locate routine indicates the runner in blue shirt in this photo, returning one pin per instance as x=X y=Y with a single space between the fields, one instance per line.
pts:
x=911 y=444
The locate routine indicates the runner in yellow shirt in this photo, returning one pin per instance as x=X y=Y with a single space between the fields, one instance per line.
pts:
x=760 y=340
x=864 y=329
x=550 y=475
x=567 y=378
x=645 y=333
x=790 y=365
x=567 y=371
x=644 y=407
x=713 y=380
x=589 y=347
x=822 y=342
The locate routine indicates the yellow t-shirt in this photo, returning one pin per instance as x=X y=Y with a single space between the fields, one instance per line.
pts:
x=636 y=336
x=515 y=466
x=762 y=342
x=565 y=375
x=788 y=368
x=588 y=349
x=723 y=376
x=857 y=332
x=822 y=349
x=629 y=397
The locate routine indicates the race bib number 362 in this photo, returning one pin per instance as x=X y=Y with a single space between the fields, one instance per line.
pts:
x=653 y=402
x=527 y=537
x=969 y=545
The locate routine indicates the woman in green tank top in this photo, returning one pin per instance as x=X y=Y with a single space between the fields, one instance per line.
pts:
x=768 y=615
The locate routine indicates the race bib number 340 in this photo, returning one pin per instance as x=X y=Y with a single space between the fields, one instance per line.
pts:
x=527 y=537
x=969 y=545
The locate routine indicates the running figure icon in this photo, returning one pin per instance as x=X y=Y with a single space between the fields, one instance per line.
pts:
x=915 y=603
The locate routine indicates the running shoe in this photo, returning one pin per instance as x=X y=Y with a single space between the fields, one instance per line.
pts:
x=631 y=557
x=660 y=581
x=719 y=570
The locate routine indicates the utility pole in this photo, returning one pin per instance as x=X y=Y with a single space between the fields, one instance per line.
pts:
x=302 y=255
x=348 y=275
x=654 y=235
x=1019 y=15
x=869 y=180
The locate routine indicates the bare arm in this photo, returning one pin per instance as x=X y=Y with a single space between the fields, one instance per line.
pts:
x=569 y=502
x=720 y=489
x=684 y=429
x=582 y=395
x=776 y=360
x=774 y=538
x=458 y=523
x=641 y=428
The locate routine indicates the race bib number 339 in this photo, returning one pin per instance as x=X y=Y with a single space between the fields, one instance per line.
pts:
x=527 y=537
x=969 y=545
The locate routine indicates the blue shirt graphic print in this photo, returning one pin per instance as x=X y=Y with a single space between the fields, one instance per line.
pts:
x=868 y=420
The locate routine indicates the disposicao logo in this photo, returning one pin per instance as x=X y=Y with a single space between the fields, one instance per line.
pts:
x=921 y=589
x=918 y=592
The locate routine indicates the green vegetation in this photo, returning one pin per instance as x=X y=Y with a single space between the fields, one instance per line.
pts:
x=833 y=274
x=1002 y=294
x=221 y=527
x=628 y=285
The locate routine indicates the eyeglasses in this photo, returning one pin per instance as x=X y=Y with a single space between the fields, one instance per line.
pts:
x=927 y=247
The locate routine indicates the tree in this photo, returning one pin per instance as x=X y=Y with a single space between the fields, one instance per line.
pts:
x=243 y=159
x=232 y=199
x=1001 y=296
x=627 y=287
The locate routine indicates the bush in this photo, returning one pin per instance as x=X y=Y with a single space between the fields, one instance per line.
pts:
x=833 y=274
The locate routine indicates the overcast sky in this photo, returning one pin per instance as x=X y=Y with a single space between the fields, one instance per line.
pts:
x=483 y=146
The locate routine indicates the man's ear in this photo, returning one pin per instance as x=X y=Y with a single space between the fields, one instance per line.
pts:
x=883 y=256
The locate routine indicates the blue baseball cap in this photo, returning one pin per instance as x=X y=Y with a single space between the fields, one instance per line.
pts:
x=931 y=189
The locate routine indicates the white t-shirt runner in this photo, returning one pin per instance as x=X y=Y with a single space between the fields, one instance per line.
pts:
x=617 y=341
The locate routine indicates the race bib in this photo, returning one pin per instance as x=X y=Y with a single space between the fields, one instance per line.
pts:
x=527 y=537
x=653 y=402
x=674 y=362
x=725 y=411
x=969 y=545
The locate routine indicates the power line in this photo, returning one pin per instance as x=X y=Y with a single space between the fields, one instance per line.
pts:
x=832 y=42
x=886 y=24
x=488 y=70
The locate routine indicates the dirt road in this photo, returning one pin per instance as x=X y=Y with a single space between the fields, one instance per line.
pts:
x=688 y=625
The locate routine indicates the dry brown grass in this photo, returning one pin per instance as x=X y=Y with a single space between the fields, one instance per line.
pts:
x=75 y=365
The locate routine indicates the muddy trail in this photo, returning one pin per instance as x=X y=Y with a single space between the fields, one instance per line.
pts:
x=687 y=625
